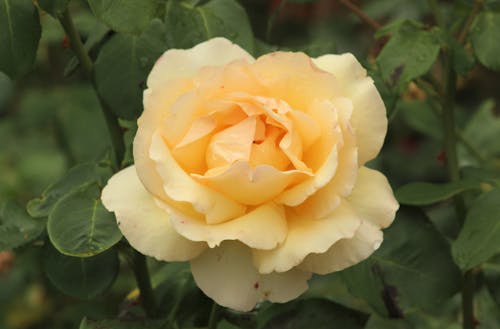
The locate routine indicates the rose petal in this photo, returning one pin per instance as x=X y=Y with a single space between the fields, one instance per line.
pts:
x=251 y=186
x=154 y=105
x=146 y=226
x=293 y=78
x=227 y=275
x=345 y=252
x=231 y=144
x=373 y=199
x=184 y=63
x=369 y=116
x=263 y=228
x=179 y=186
x=305 y=236
x=300 y=192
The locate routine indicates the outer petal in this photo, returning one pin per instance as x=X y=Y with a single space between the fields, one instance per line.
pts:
x=146 y=226
x=179 y=186
x=184 y=63
x=373 y=199
x=227 y=275
x=369 y=117
x=306 y=236
x=263 y=228
x=345 y=252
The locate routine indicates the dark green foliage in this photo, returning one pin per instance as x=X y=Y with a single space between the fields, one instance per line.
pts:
x=19 y=36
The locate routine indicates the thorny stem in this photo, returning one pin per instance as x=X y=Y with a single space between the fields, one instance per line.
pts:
x=141 y=273
x=214 y=316
x=361 y=14
x=470 y=19
x=88 y=67
x=272 y=19
x=181 y=291
x=438 y=16
x=450 y=144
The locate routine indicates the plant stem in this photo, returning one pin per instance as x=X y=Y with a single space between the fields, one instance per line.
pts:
x=112 y=124
x=361 y=14
x=141 y=273
x=181 y=291
x=470 y=19
x=272 y=19
x=76 y=43
x=450 y=145
x=469 y=321
x=436 y=12
x=214 y=316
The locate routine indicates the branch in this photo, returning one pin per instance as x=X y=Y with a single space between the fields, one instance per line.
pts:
x=361 y=14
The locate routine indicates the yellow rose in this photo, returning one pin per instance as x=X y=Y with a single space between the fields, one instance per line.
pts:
x=252 y=170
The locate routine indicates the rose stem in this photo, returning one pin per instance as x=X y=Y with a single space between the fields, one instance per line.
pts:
x=470 y=19
x=113 y=126
x=182 y=288
x=140 y=269
x=272 y=19
x=450 y=141
x=214 y=316
x=361 y=14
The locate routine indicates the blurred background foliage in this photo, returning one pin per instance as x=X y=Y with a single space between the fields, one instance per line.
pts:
x=51 y=120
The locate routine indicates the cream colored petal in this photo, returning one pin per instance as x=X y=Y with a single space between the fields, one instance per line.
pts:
x=154 y=106
x=184 y=63
x=226 y=274
x=231 y=144
x=293 y=78
x=297 y=194
x=146 y=226
x=373 y=199
x=369 y=116
x=308 y=128
x=325 y=114
x=346 y=252
x=264 y=227
x=180 y=186
x=251 y=186
x=306 y=236
x=325 y=200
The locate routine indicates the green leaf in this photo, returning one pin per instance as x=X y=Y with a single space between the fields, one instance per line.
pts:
x=188 y=25
x=126 y=15
x=482 y=132
x=310 y=313
x=420 y=117
x=116 y=324
x=409 y=54
x=79 y=225
x=83 y=278
x=491 y=272
x=463 y=61
x=123 y=65
x=76 y=178
x=484 y=38
x=413 y=269
x=53 y=7
x=19 y=35
x=16 y=227
x=478 y=239
x=421 y=194
x=417 y=320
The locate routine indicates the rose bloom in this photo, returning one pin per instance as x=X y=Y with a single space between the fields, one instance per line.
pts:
x=253 y=170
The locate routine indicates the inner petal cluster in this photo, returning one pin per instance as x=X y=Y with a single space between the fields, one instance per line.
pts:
x=233 y=135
